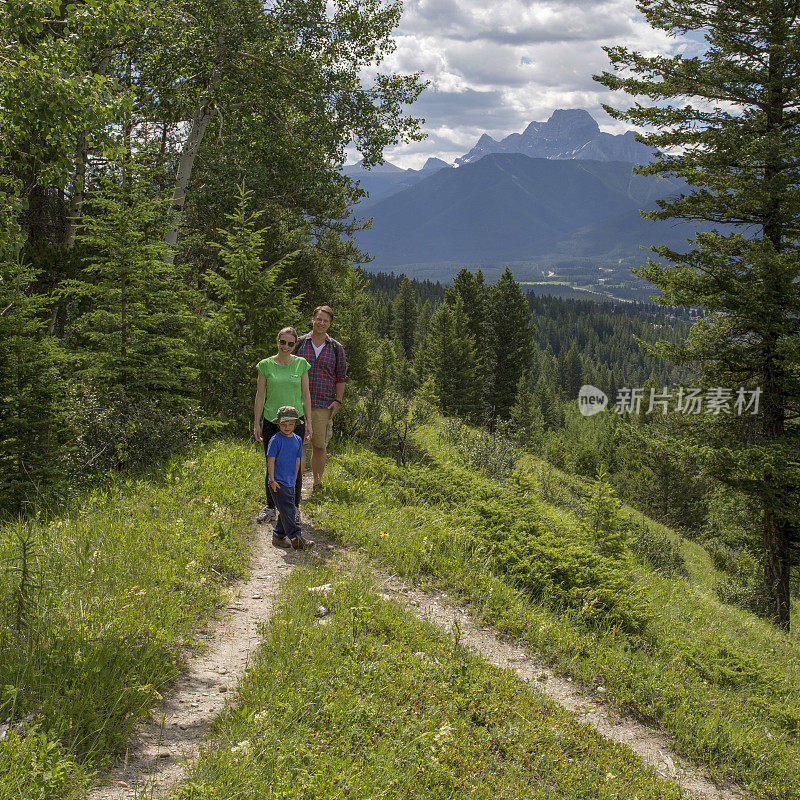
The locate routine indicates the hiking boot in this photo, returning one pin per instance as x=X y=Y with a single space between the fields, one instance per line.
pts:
x=281 y=541
x=266 y=514
x=317 y=488
x=299 y=543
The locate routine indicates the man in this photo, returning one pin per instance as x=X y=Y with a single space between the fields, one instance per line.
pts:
x=327 y=379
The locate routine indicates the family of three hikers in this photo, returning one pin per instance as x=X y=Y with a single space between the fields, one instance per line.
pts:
x=309 y=373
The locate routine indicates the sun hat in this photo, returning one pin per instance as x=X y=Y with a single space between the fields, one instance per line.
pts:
x=284 y=413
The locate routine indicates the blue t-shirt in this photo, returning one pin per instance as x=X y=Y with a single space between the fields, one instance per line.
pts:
x=286 y=449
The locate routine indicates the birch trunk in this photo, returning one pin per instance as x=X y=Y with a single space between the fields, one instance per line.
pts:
x=200 y=120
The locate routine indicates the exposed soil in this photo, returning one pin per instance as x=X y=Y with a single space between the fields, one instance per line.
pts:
x=170 y=736
x=649 y=744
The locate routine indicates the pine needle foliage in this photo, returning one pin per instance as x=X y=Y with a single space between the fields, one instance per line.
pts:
x=249 y=302
x=728 y=122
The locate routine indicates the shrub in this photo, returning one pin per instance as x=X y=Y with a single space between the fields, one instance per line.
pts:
x=658 y=551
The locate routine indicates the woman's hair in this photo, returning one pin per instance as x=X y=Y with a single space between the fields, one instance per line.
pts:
x=288 y=329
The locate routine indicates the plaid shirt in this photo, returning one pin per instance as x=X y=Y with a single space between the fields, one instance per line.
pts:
x=326 y=369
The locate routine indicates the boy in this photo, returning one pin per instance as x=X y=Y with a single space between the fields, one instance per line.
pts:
x=283 y=465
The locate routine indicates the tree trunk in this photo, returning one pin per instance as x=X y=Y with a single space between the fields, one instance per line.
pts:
x=200 y=120
x=77 y=194
x=79 y=179
x=777 y=567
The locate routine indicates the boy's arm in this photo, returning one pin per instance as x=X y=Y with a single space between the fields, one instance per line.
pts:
x=297 y=469
x=271 y=472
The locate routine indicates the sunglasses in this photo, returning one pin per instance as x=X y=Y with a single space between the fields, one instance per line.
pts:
x=284 y=343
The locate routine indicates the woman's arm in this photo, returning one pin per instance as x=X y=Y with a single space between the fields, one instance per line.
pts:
x=258 y=406
x=306 y=405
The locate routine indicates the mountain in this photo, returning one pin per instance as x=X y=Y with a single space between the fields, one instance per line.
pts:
x=570 y=133
x=385 y=179
x=509 y=207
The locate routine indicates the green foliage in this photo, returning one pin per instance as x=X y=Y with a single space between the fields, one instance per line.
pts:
x=546 y=555
x=31 y=390
x=354 y=327
x=450 y=359
x=38 y=767
x=509 y=332
x=404 y=319
x=95 y=605
x=249 y=302
x=728 y=124
x=380 y=704
x=134 y=326
x=721 y=683
x=526 y=417
x=657 y=550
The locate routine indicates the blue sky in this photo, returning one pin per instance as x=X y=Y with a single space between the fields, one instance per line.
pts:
x=496 y=65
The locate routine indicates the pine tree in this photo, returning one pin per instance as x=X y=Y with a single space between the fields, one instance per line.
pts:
x=354 y=326
x=727 y=122
x=526 y=417
x=32 y=392
x=570 y=376
x=450 y=361
x=404 y=318
x=134 y=329
x=250 y=302
x=510 y=331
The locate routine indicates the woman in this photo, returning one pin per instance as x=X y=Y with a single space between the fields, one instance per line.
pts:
x=282 y=381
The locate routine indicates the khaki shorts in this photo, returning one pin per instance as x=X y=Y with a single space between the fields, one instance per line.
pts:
x=322 y=425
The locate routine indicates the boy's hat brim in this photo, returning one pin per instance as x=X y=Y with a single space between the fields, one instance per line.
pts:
x=284 y=413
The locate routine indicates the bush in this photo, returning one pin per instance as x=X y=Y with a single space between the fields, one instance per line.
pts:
x=113 y=432
x=658 y=551
x=492 y=454
x=37 y=767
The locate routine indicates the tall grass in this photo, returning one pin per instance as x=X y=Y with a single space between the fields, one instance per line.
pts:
x=722 y=683
x=369 y=702
x=94 y=607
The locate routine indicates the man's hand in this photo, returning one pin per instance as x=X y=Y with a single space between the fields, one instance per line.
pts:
x=257 y=431
x=274 y=485
x=309 y=432
x=334 y=408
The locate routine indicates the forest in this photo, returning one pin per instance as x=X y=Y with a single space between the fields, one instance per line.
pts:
x=171 y=196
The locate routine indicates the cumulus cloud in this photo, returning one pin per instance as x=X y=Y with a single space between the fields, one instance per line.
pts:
x=495 y=66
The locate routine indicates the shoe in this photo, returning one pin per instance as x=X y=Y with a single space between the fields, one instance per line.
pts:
x=266 y=514
x=281 y=541
x=317 y=488
x=299 y=543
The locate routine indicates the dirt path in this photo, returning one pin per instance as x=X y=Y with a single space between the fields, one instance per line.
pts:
x=649 y=744
x=170 y=736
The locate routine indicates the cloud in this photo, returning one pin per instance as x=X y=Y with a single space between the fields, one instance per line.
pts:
x=495 y=66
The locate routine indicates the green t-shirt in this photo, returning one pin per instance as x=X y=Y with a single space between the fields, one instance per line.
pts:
x=284 y=387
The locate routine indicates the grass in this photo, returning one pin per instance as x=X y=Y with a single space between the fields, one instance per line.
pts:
x=95 y=607
x=723 y=684
x=369 y=702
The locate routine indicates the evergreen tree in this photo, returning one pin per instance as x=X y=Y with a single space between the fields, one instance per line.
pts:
x=510 y=332
x=735 y=141
x=570 y=370
x=354 y=326
x=526 y=417
x=134 y=329
x=450 y=361
x=250 y=302
x=32 y=393
x=404 y=319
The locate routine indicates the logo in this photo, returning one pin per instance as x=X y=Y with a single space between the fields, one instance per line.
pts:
x=591 y=400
